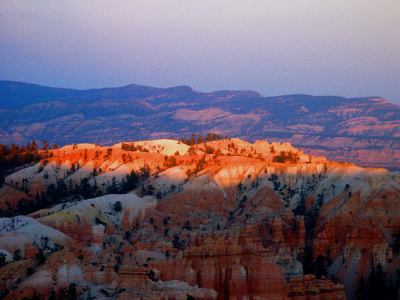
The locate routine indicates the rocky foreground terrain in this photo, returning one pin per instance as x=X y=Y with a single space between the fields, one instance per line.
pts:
x=225 y=219
x=365 y=131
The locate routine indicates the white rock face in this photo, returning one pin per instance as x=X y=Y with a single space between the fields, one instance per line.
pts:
x=27 y=173
x=79 y=146
x=163 y=146
x=172 y=176
x=177 y=286
x=42 y=278
x=105 y=205
x=17 y=232
x=69 y=274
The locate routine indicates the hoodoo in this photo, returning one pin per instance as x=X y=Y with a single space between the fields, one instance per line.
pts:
x=211 y=220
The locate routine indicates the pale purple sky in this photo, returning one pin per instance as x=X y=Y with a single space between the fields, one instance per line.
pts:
x=332 y=47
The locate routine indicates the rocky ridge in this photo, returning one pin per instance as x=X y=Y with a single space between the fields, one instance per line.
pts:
x=365 y=131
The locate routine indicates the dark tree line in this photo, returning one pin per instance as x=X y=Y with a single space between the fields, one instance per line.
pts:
x=133 y=147
x=14 y=156
x=199 y=138
x=396 y=244
x=129 y=183
x=317 y=266
x=286 y=157
x=378 y=285
x=62 y=192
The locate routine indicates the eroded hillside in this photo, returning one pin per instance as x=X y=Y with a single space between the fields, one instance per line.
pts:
x=217 y=220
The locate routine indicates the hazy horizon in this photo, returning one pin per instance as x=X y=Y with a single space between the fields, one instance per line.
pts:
x=273 y=47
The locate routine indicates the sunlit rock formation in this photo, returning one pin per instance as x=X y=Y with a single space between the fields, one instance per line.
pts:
x=217 y=220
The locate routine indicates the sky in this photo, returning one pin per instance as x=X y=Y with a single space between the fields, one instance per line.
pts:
x=337 y=47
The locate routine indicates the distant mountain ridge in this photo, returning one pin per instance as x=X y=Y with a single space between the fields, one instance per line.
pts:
x=18 y=93
x=362 y=130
